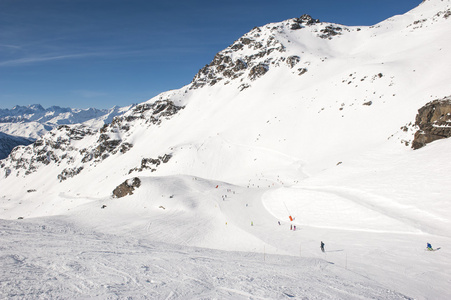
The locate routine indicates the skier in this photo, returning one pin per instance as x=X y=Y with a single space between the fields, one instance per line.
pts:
x=278 y=222
x=429 y=247
x=294 y=227
x=291 y=227
x=322 y=246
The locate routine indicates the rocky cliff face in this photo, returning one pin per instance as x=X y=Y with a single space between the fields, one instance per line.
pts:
x=433 y=121
x=248 y=57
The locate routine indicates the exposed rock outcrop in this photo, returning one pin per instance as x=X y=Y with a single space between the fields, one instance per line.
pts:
x=293 y=60
x=151 y=163
x=258 y=71
x=304 y=20
x=69 y=173
x=249 y=56
x=330 y=31
x=433 y=121
x=127 y=187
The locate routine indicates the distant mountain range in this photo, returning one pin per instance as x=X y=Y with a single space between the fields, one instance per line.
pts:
x=56 y=115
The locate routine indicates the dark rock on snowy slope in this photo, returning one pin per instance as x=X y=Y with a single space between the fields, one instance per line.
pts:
x=433 y=121
x=127 y=187
x=151 y=163
x=258 y=71
x=304 y=20
x=69 y=173
x=251 y=58
x=330 y=31
x=293 y=60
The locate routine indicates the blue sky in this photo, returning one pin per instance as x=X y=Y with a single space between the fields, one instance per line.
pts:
x=101 y=53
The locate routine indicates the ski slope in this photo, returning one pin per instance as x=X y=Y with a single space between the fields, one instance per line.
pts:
x=80 y=263
x=142 y=245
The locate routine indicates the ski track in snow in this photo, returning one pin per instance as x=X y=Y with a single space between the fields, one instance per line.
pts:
x=407 y=214
x=50 y=258
x=133 y=248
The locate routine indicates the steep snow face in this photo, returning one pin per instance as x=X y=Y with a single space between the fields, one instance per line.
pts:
x=298 y=119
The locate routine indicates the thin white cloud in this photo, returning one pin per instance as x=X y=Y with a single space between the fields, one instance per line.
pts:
x=10 y=46
x=149 y=52
x=37 y=59
x=46 y=58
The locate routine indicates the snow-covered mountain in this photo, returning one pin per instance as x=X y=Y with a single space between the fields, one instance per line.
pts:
x=56 y=115
x=27 y=123
x=33 y=121
x=299 y=123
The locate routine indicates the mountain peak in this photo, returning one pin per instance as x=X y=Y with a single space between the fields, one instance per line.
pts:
x=37 y=107
x=261 y=49
x=246 y=59
x=304 y=20
x=28 y=108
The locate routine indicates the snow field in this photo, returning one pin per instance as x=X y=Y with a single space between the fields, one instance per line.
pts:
x=79 y=263
x=362 y=234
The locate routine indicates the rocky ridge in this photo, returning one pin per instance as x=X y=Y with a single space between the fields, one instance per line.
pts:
x=73 y=147
x=252 y=55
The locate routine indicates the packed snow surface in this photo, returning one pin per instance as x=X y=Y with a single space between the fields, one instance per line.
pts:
x=143 y=245
x=78 y=263
x=260 y=170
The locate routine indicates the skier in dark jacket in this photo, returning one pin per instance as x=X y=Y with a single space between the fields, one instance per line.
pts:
x=322 y=246
x=429 y=246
